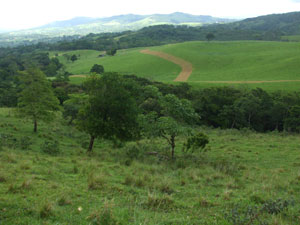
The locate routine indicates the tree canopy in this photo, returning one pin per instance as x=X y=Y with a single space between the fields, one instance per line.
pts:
x=110 y=112
x=36 y=100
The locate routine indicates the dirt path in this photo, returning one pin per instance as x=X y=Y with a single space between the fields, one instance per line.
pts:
x=77 y=76
x=186 y=67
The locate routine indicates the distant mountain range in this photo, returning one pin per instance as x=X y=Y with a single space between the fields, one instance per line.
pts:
x=86 y=25
x=270 y=27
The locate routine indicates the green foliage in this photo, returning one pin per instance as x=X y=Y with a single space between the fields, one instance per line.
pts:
x=111 y=52
x=210 y=36
x=253 y=214
x=72 y=106
x=51 y=147
x=104 y=216
x=73 y=58
x=195 y=142
x=292 y=121
x=36 y=100
x=99 y=69
x=110 y=112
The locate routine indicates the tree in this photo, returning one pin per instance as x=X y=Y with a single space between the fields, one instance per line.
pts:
x=111 y=52
x=72 y=106
x=110 y=112
x=210 y=36
x=174 y=119
x=37 y=100
x=99 y=69
x=73 y=58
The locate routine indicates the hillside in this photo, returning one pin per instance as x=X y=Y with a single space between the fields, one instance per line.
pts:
x=274 y=27
x=61 y=184
x=85 y=25
x=255 y=64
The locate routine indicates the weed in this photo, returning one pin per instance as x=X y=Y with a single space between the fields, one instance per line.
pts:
x=63 y=201
x=51 y=147
x=104 y=216
x=164 y=202
x=96 y=182
x=26 y=184
x=3 y=178
x=25 y=143
x=46 y=210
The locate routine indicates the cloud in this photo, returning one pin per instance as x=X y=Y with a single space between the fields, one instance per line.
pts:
x=297 y=1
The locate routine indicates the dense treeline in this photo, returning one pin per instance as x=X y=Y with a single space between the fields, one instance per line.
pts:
x=163 y=34
x=12 y=61
x=229 y=107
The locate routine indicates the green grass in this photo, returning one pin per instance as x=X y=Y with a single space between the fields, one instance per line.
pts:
x=125 y=61
x=214 y=61
x=291 y=38
x=240 y=167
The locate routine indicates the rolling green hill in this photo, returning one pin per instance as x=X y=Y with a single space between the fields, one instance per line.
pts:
x=233 y=63
x=47 y=178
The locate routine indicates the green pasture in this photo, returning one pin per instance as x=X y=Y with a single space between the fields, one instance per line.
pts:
x=239 y=169
x=129 y=61
x=212 y=61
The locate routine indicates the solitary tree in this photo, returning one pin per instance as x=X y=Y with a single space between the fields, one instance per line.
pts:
x=176 y=114
x=111 y=52
x=110 y=112
x=73 y=58
x=99 y=69
x=37 y=100
x=210 y=36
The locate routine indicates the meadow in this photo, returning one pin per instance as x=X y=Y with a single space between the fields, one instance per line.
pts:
x=47 y=178
x=213 y=63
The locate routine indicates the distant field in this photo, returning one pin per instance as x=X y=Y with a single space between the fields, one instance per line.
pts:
x=214 y=61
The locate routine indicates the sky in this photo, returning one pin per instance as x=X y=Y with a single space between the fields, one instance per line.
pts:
x=23 y=14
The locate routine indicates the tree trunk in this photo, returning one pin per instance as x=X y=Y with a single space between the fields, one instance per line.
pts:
x=35 y=126
x=91 y=144
x=173 y=145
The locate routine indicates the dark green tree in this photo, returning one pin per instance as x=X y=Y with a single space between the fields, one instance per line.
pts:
x=210 y=36
x=37 y=100
x=110 y=112
x=174 y=119
x=99 y=69
x=74 y=58
x=111 y=52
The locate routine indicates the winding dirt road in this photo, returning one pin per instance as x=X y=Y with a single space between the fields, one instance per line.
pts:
x=186 y=67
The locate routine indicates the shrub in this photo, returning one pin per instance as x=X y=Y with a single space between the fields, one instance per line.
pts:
x=104 y=216
x=51 y=147
x=25 y=142
x=46 y=210
x=159 y=202
x=95 y=181
x=196 y=142
x=132 y=152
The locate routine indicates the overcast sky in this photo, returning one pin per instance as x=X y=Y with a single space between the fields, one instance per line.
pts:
x=20 y=14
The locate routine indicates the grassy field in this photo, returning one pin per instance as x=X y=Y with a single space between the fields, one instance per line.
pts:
x=240 y=169
x=214 y=61
x=126 y=62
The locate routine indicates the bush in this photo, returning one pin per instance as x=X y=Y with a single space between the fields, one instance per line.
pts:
x=195 y=142
x=132 y=152
x=104 y=216
x=25 y=143
x=51 y=147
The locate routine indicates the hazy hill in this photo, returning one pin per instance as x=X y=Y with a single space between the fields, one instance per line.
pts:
x=86 y=25
x=288 y=23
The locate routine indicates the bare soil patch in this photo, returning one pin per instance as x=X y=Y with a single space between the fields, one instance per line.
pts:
x=77 y=76
x=186 y=67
